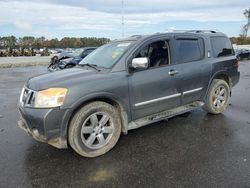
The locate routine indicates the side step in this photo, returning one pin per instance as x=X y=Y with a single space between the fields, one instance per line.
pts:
x=164 y=115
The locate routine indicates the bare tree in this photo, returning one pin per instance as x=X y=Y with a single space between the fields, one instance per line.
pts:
x=245 y=27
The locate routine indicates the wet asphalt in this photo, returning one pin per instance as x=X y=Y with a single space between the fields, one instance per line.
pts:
x=192 y=150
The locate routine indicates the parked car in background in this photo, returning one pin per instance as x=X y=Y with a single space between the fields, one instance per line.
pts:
x=68 y=60
x=243 y=54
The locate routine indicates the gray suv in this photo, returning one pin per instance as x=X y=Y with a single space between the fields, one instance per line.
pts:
x=127 y=84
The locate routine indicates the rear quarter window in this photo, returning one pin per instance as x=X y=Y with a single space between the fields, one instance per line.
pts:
x=221 y=46
x=189 y=49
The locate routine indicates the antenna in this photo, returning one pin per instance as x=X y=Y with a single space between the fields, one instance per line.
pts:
x=122 y=18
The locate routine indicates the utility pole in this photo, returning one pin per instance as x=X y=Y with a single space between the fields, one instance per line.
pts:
x=122 y=18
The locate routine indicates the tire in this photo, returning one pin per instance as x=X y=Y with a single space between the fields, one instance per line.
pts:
x=69 y=66
x=216 y=100
x=91 y=132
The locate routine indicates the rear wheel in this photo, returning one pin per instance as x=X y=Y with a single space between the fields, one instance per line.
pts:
x=94 y=129
x=217 y=97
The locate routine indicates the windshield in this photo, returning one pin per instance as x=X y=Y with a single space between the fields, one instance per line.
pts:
x=106 y=56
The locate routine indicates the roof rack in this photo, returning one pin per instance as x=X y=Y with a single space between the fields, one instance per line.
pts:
x=200 y=31
x=136 y=36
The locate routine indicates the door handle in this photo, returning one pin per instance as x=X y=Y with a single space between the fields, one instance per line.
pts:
x=173 y=72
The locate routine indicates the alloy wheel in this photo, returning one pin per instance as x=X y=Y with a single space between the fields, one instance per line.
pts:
x=97 y=130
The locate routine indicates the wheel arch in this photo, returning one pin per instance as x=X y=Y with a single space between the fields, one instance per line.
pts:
x=223 y=75
x=70 y=64
x=108 y=98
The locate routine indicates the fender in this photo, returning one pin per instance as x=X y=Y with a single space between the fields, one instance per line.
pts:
x=218 y=74
x=124 y=109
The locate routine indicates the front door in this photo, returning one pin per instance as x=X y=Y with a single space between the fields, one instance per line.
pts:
x=157 y=88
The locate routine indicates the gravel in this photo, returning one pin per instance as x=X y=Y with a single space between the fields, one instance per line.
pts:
x=10 y=62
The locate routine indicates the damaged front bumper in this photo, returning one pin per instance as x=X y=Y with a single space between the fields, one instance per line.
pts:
x=57 y=142
x=45 y=125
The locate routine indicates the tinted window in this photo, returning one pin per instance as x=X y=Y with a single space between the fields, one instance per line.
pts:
x=221 y=46
x=86 y=52
x=189 y=50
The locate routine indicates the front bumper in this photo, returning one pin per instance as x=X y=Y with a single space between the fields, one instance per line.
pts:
x=53 y=68
x=34 y=133
x=44 y=125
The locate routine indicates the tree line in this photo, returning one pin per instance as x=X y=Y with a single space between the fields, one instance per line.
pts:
x=42 y=42
x=240 y=40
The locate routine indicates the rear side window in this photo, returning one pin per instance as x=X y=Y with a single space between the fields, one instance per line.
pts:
x=221 y=46
x=189 y=49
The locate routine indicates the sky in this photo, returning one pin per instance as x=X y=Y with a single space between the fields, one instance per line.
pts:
x=103 y=18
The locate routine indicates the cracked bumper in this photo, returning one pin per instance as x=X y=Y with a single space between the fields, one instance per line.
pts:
x=57 y=142
x=44 y=125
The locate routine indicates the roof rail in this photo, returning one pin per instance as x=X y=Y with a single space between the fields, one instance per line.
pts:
x=200 y=31
x=173 y=30
x=136 y=36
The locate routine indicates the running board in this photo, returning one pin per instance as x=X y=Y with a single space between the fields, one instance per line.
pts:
x=164 y=115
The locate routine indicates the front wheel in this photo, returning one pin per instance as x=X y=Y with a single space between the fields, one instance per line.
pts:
x=94 y=129
x=69 y=66
x=217 y=97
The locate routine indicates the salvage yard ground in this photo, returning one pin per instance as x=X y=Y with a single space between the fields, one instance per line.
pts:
x=8 y=62
x=195 y=150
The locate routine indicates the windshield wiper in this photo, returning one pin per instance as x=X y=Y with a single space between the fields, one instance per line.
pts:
x=94 y=66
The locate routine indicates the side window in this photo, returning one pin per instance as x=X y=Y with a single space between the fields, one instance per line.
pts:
x=189 y=49
x=221 y=46
x=85 y=53
x=157 y=53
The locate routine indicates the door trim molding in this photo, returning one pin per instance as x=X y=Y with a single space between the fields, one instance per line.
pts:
x=167 y=97
x=192 y=91
x=158 y=99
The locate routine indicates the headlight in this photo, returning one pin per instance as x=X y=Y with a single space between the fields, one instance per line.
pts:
x=52 y=97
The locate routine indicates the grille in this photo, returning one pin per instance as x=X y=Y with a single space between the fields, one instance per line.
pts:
x=27 y=96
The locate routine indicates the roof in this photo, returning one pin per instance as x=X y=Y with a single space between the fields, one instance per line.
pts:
x=192 y=33
x=176 y=32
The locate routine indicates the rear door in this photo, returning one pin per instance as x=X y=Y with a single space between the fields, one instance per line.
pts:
x=194 y=69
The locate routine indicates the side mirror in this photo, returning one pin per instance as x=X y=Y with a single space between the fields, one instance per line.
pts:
x=140 y=63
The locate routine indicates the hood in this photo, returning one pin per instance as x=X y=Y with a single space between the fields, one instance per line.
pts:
x=76 y=59
x=63 y=78
x=65 y=55
x=67 y=60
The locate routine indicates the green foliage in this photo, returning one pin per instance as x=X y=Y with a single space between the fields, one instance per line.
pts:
x=9 y=41
x=42 y=42
x=240 y=40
